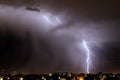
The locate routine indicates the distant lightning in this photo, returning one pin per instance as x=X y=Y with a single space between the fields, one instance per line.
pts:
x=88 y=55
x=54 y=20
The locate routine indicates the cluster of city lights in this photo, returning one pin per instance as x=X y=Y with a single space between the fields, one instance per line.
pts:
x=8 y=78
x=62 y=76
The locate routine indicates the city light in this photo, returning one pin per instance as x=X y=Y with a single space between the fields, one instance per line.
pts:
x=50 y=74
x=1 y=78
x=8 y=78
x=81 y=78
x=63 y=79
x=21 y=78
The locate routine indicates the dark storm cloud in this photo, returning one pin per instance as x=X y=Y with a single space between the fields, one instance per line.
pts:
x=27 y=46
x=15 y=49
x=109 y=56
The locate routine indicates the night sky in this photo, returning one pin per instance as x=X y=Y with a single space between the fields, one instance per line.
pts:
x=30 y=43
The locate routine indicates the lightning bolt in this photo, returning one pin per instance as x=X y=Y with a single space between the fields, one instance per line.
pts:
x=52 y=19
x=88 y=55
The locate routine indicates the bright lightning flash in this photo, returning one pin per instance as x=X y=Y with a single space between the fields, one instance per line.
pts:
x=88 y=55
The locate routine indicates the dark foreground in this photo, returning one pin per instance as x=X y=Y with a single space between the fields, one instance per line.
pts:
x=61 y=76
